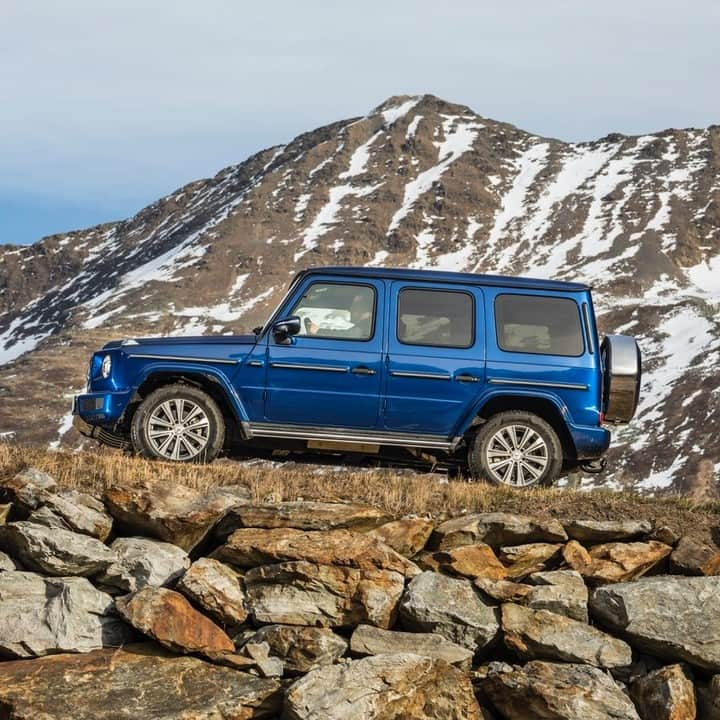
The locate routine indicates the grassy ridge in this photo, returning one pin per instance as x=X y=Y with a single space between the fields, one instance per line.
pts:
x=397 y=491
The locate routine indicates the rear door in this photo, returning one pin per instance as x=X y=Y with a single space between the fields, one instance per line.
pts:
x=435 y=364
x=330 y=373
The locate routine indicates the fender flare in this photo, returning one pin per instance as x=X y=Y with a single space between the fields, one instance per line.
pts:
x=176 y=368
x=485 y=397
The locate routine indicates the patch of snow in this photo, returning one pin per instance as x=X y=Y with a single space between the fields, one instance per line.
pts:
x=65 y=425
x=360 y=157
x=413 y=127
x=393 y=114
x=380 y=257
x=97 y=320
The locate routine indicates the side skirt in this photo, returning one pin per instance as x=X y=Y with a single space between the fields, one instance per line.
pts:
x=352 y=437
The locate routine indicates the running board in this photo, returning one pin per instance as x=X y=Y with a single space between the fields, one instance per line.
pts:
x=299 y=432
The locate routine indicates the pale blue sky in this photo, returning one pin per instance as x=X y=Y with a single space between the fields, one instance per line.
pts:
x=107 y=105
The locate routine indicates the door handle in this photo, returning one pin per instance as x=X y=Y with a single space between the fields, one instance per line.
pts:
x=467 y=378
x=362 y=370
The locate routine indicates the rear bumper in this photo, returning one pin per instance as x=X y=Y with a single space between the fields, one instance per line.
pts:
x=590 y=442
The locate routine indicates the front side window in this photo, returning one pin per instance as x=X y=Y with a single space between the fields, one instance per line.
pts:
x=441 y=318
x=538 y=324
x=332 y=310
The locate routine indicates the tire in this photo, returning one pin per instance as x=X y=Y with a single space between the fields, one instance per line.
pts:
x=493 y=453
x=160 y=429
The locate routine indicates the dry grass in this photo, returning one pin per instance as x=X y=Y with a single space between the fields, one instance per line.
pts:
x=397 y=491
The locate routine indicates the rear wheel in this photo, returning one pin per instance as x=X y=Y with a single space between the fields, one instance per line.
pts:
x=518 y=449
x=178 y=423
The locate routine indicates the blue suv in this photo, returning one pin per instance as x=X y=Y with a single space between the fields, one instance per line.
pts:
x=503 y=374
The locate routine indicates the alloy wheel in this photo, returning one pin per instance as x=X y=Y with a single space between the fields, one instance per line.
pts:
x=517 y=455
x=178 y=429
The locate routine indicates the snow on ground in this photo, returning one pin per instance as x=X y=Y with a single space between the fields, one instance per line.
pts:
x=459 y=136
x=359 y=159
x=11 y=348
x=393 y=114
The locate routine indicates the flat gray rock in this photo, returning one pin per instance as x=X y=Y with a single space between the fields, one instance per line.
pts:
x=41 y=616
x=601 y=531
x=81 y=512
x=542 y=635
x=451 y=607
x=671 y=617
x=383 y=687
x=556 y=691
x=495 y=529
x=368 y=640
x=7 y=563
x=54 y=551
x=27 y=489
x=560 y=591
x=138 y=562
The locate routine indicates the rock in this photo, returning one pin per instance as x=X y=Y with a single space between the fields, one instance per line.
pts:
x=27 y=489
x=47 y=518
x=592 y=532
x=383 y=687
x=692 y=557
x=615 y=562
x=559 y=591
x=166 y=616
x=472 y=561
x=259 y=653
x=522 y=560
x=450 y=607
x=367 y=640
x=708 y=699
x=40 y=615
x=7 y=563
x=54 y=551
x=251 y=547
x=139 y=681
x=665 y=694
x=543 y=635
x=81 y=512
x=5 y=512
x=302 y=648
x=217 y=589
x=170 y=512
x=556 y=691
x=496 y=529
x=301 y=515
x=303 y=593
x=671 y=617
x=503 y=590
x=666 y=535
x=408 y=536
x=141 y=561
x=426 y=560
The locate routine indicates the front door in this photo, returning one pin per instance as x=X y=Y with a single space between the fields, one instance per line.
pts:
x=436 y=356
x=329 y=374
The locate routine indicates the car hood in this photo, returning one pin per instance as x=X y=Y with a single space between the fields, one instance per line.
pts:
x=183 y=340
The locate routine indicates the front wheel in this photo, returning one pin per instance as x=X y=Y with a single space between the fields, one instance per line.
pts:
x=179 y=423
x=518 y=449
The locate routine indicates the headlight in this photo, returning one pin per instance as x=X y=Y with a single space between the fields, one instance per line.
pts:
x=106 y=367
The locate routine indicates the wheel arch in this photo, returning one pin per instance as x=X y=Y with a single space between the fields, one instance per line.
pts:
x=214 y=383
x=549 y=408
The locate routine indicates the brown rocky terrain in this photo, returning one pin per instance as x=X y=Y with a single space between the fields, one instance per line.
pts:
x=163 y=600
x=417 y=182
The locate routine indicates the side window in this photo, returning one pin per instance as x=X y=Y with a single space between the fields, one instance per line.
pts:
x=539 y=325
x=338 y=311
x=443 y=318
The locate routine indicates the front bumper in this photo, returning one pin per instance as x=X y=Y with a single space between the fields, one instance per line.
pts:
x=101 y=408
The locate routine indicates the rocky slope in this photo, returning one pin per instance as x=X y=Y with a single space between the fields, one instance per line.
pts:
x=159 y=601
x=418 y=182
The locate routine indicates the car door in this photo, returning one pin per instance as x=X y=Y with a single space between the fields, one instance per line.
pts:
x=435 y=366
x=330 y=373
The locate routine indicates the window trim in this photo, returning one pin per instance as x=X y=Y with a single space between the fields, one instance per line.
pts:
x=343 y=284
x=542 y=354
x=436 y=290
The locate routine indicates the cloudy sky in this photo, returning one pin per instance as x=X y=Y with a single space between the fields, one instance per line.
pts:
x=106 y=106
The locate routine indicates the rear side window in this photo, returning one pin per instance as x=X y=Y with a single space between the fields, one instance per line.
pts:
x=538 y=324
x=442 y=318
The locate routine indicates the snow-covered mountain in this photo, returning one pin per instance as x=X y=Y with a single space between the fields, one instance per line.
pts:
x=417 y=182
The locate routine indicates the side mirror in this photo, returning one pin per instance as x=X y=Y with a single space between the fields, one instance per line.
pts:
x=286 y=327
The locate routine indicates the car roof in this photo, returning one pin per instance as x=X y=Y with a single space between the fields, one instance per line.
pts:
x=450 y=277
